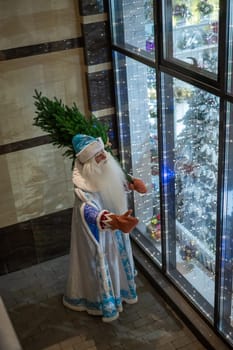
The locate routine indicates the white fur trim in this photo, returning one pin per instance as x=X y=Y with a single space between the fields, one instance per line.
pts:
x=90 y=150
x=80 y=194
x=81 y=308
x=105 y=222
x=110 y=319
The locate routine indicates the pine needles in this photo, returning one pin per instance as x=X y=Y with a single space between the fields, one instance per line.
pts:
x=62 y=123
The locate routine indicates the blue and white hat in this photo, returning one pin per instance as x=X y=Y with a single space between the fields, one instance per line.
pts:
x=86 y=146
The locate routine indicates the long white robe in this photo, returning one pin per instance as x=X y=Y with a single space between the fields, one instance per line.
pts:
x=101 y=269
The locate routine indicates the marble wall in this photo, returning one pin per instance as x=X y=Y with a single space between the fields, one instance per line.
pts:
x=28 y=22
x=61 y=48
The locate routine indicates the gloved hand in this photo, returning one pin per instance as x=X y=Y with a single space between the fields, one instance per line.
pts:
x=124 y=222
x=138 y=185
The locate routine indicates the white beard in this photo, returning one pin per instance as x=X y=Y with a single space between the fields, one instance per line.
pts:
x=109 y=179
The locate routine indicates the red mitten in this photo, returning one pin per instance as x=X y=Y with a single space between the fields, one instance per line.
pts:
x=138 y=185
x=124 y=222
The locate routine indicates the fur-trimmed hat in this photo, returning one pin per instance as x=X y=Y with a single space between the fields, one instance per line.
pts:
x=86 y=146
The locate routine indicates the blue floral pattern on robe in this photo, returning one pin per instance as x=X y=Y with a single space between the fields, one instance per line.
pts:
x=90 y=215
x=108 y=299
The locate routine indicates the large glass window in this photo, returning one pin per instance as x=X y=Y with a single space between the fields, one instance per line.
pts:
x=138 y=123
x=226 y=296
x=192 y=32
x=230 y=49
x=192 y=121
x=174 y=102
x=133 y=26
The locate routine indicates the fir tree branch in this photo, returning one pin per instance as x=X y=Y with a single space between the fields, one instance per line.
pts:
x=62 y=122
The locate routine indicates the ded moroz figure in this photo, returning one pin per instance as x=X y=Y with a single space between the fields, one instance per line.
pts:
x=101 y=272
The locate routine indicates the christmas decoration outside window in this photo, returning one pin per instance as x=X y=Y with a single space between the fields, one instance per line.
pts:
x=195 y=34
x=196 y=209
x=205 y=7
x=196 y=167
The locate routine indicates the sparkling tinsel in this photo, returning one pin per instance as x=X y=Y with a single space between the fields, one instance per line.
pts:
x=197 y=166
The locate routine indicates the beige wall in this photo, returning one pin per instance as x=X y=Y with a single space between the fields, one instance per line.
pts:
x=36 y=181
x=57 y=74
x=29 y=22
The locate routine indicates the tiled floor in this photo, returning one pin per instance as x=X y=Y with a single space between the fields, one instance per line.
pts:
x=33 y=299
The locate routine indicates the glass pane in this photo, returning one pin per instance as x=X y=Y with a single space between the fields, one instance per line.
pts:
x=230 y=48
x=226 y=297
x=133 y=26
x=137 y=106
x=192 y=121
x=194 y=37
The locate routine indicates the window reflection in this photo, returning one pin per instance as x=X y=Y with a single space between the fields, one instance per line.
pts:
x=195 y=34
x=133 y=26
x=230 y=49
x=226 y=297
x=141 y=127
x=189 y=140
x=196 y=123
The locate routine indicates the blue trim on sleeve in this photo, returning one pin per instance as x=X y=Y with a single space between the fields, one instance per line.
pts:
x=90 y=216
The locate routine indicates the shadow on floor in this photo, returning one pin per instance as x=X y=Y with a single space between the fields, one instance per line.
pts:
x=34 y=303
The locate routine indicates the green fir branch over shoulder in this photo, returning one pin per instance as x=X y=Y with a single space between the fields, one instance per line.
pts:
x=62 y=122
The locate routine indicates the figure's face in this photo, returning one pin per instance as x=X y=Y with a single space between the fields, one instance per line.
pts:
x=100 y=156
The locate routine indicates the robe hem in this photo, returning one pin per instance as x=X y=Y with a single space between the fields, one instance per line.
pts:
x=81 y=308
x=130 y=301
x=99 y=312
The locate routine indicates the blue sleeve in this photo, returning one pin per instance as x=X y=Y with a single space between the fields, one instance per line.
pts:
x=90 y=215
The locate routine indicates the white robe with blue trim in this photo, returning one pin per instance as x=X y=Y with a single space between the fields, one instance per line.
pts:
x=101 y=268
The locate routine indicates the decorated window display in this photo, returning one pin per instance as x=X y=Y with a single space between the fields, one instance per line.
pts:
x=175 y=126
x=196 y=168
x=194 y=34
